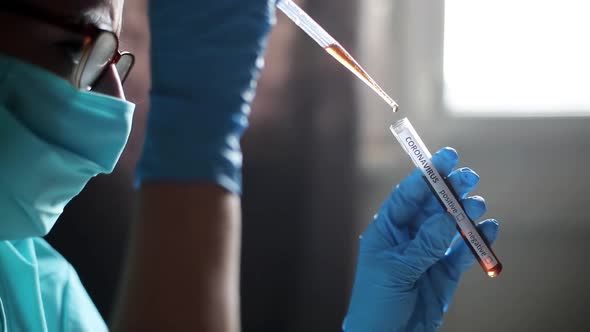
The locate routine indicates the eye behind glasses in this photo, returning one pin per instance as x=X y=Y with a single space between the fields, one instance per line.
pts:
x=72 y=49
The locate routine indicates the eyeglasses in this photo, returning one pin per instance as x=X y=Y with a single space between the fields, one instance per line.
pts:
x=100 y=47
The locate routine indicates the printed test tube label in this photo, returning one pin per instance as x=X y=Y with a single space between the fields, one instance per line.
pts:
x=420 y=155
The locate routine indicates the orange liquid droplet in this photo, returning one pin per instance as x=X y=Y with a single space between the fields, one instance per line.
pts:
x=348 y=61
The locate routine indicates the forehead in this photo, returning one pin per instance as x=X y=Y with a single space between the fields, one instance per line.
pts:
x=100 y=12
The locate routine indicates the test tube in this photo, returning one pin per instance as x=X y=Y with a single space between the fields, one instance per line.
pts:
x=413 y=145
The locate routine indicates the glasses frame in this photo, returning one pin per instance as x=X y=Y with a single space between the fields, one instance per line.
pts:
x=90 y=31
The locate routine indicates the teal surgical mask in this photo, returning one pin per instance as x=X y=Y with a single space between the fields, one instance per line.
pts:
x=53 y=139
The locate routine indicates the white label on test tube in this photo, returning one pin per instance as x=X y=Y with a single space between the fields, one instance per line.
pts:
x=413 y=145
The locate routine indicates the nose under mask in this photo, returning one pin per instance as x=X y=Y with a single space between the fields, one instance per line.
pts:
x=53 y=140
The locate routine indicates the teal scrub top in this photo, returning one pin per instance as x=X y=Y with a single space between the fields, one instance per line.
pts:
x=41 y=291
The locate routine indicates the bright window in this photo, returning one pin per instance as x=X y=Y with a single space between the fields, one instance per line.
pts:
x=517 y=57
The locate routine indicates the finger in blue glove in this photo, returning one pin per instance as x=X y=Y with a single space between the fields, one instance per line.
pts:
x=447 y=272
x=462 y=181
x=406 y=202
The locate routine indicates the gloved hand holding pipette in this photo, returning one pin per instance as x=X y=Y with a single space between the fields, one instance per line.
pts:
x=406 y=276
x=204 y=70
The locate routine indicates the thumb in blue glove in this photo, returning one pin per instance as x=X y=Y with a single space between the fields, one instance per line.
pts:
x=406 y=273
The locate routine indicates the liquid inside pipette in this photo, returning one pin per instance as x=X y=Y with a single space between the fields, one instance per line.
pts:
x=340 y=54
x=328 y=43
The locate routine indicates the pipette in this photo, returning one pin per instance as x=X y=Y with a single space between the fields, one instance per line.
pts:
x=330 y=45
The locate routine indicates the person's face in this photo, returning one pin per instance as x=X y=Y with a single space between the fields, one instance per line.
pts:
x=52 y=47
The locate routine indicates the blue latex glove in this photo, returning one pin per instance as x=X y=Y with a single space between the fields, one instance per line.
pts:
x=406 y=274
x=206 y=56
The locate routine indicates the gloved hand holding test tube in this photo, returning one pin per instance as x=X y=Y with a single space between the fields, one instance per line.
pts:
x=416 y=149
